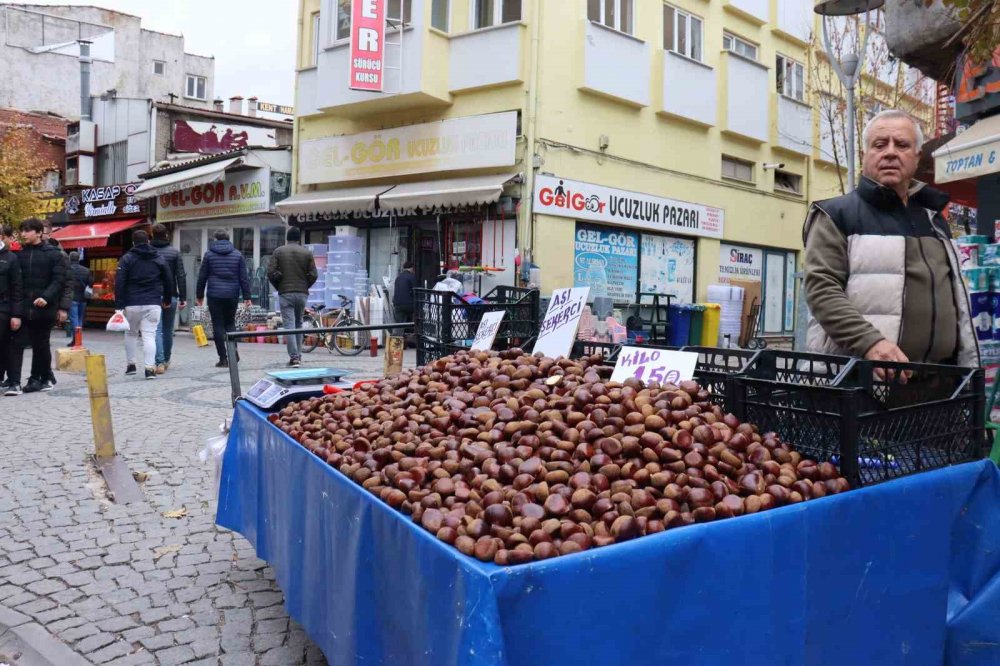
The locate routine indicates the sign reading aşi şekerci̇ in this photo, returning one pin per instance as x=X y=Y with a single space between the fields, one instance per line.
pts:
x=558 y=329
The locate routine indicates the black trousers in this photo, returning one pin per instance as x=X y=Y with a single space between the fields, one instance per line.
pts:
x=35 y=333
x=6 y=344
x=223 y=313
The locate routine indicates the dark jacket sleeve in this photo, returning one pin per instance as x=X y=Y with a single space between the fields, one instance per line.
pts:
x=55 y=292
x=67 y=297
x=203 y=276
x=180 y=277
x=167 y=277
x=311 y=273
x=16 y=287
x=274 y=271
x=244 y=278
x=121 y=281
x=89 y=280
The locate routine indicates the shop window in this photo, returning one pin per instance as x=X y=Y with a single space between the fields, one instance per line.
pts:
x=790 y=78
x=785 y=181
x=682 y=33
x=667 y=267
x=615 y=14
x=112 y=163
x=441 y=15
x=195 y=88
x=159 y=67
x=488 y=13
x=739 y=46
x=243 y=241
x=737 y=169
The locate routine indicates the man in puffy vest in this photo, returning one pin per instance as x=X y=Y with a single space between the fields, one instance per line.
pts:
x=882 y=277
x=144 y=287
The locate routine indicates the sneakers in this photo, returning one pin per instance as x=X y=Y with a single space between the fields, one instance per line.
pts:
x=294 y=362
x=130 y=369
x=12 y=389
x=47 y=385
x=33 y=385
x=166 y=365
x=223 y=363
x=161 y=368
x=150 y=373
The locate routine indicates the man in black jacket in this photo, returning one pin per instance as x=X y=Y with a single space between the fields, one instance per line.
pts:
x=80 y=278
x=11 y=302
x=165 y=330
x=402 y=293
x=43 y=276
x=144 y=287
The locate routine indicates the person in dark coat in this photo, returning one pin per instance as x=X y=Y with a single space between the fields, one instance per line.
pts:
x=43 y=276
x=222 y=277
x=143 y=288
x=402 y=294
x=292 y=271
x=80 y=279
x=165 y=331
x=11 y=304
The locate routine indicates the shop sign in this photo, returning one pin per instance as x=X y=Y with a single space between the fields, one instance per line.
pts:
x=105 y=202
x=667 y=267
x=49 y=206
x=242 y=193
x=367 y=45
x=471 y=142
x=654 y=365
x=487 y=331
x=210 y=138
x=562 y=319
x=585 y=201
x=268 y=107
x=606 y=261
x=744 y=264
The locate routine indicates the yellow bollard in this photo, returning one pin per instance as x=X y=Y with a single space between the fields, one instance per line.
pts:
x=100 y=407
x=200 y=339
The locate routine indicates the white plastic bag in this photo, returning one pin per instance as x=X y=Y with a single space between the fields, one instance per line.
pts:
x=214 y=449
x=118 y=322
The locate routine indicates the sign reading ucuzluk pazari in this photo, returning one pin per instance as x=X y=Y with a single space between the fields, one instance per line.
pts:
x=586 y=201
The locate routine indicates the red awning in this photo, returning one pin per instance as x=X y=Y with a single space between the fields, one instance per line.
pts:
x=95 y=234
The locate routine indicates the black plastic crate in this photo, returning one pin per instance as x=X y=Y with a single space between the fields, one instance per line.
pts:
x=874 y=429
x=585 y=348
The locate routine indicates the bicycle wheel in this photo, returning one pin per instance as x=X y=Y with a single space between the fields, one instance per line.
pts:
x=309 y=340
x=349 y=344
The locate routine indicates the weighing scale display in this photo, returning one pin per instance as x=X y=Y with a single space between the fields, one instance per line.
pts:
x=282 y=386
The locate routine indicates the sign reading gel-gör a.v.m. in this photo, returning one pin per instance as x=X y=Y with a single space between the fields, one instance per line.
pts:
x=367 y=44
x=558 y=330
x=654 y=365
x=487 y=331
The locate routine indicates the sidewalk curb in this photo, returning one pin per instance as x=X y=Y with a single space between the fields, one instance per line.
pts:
x=40 y=648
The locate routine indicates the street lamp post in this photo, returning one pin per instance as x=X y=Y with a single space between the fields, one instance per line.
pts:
x=849 y=66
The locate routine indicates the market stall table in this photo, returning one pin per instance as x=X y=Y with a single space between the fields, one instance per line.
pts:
x=899 y=573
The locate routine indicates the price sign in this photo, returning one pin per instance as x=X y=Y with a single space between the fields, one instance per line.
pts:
x=487 y=332
x=558 y=330
x=659 y=365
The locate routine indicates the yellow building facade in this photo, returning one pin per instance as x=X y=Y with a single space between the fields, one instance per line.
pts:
x=627 y=145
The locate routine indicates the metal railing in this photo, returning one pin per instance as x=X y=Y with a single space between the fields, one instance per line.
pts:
x=233 y=336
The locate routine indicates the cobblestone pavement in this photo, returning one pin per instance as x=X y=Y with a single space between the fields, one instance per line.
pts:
x=122 y=584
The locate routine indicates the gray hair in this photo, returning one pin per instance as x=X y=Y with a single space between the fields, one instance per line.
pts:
x=892 y=113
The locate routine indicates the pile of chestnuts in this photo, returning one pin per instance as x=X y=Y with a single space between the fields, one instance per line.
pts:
x=513 y=458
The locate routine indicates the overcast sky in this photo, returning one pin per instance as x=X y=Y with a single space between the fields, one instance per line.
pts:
x=253 y=41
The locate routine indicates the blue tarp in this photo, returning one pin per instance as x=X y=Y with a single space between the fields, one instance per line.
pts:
x=900 y=573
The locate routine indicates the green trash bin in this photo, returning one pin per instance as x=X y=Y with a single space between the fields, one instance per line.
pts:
x=697 y=324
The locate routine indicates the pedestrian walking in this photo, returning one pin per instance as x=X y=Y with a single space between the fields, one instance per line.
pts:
x=402 y=295
x=83 y=283
x=165 y=330
x=11 y=304
x=144 y=287
x=222 y=277
x=9 y=239
x=43 y=278
x=292 y=271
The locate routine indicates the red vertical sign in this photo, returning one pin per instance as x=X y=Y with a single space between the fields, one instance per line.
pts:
x=367 y=44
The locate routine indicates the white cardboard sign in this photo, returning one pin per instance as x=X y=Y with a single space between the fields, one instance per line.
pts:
x=558 y=330
x=487 y=331
x=660 y=365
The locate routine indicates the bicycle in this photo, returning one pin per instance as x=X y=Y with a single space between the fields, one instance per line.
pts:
x=348 y=343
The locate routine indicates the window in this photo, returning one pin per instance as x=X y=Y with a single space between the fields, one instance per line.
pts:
x=47 y=182
x=615 y=14
x=682 y=32
x=785 y=181
x=159 y=67
x=739 y=46
x=112 y=163
x=487 y=13
x=195 y=87
x=737 y=169
x=393 y=13
x=315 y=39
x=440 y=12
x=342 y=29
x=790 y=78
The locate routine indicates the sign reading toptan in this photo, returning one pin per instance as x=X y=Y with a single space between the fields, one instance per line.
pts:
x=367 y=45
x=585 y=201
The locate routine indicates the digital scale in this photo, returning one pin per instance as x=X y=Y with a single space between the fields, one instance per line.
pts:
x=278 y=388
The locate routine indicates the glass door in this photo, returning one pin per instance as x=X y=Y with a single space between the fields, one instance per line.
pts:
x=774 y=292
x=189 y=242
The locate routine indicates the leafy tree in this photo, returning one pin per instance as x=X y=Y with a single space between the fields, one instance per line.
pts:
x=20 y=167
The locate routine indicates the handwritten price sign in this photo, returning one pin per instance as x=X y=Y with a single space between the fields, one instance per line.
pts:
x=558 y=330
x=487 y=331
x=654 y=365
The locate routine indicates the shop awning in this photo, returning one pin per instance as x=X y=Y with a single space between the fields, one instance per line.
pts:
x=326 y=202
x=92 y=235
x=975 y=152
x=182 y=180
x=449 y=192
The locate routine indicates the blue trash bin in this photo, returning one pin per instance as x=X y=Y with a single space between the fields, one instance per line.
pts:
x=680 y=325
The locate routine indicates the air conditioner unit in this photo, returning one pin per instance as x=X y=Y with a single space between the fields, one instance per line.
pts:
x=81 y=137
x=72 y=179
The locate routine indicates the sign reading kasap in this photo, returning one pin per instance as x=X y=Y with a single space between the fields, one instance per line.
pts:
x=367 y=44
x=585 y=201
x=558 y=329
x=654 y=365
x=242 y=193
x=471 y=142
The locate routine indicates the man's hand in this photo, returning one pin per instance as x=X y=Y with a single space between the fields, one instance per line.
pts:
x=40 y=303
x=62 y=316
x=883 y=350
x=247 y=302
x=183 y=304
x=200 y=301
x=15 y=323
x=166 y=305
